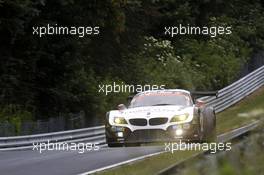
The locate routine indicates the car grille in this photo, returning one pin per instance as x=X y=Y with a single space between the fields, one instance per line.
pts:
x=138 y=122
x=158 y=121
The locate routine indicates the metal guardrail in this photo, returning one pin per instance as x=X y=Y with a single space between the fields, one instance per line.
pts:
x=93 y=134
x=235 y=92
x=226 y=98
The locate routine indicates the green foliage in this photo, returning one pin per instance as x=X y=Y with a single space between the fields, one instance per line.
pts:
x=15 y=115
x=52 y=75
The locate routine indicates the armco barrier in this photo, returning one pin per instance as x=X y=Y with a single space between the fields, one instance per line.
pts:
x=93 y=134
x=226 y=97
x=237 y=91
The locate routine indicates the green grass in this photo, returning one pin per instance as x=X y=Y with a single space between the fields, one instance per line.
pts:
x=243 y=159
x=248 y=110
x=150 y=165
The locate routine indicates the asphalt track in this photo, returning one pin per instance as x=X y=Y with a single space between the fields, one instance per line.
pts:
x=28 y=162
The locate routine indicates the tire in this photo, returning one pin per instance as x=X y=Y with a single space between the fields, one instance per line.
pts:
x=111 y=143
x=212 y=137
x=208 y=125
x=132 y=144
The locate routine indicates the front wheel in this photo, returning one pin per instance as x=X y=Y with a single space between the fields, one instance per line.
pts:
x=208 y=126
x=111 y=143
x=132 y=144
x=211 y=137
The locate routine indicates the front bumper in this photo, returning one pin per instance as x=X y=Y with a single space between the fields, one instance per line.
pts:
x=119 y=134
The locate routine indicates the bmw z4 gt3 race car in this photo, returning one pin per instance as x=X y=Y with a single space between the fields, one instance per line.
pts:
x=161 y=115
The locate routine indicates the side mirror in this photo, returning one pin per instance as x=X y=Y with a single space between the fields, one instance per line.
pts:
x=121 y=107
x=129 y=98
x=199 y=103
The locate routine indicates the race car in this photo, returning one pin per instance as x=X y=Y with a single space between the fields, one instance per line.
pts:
x=161 y=115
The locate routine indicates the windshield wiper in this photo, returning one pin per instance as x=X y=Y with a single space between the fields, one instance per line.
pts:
x=162 y=104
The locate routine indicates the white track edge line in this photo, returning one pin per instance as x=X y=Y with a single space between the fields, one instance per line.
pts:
x=122 y=163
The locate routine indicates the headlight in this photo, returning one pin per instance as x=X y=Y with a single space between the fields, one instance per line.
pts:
x=120 y=120
x=179 y=118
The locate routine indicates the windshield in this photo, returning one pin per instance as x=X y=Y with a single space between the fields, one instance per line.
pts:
x=161 y=99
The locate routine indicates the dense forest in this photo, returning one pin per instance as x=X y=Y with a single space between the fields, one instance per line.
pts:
x=58 y=74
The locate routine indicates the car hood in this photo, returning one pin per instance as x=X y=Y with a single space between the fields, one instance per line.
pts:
x=152 y=111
